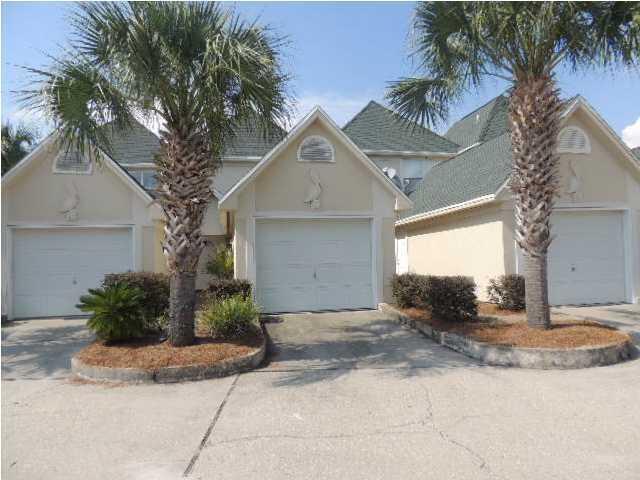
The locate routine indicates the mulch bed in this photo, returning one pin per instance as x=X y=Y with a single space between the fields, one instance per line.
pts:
x=512 y=330
x=150 y=352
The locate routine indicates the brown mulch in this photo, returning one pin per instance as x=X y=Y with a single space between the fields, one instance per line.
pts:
x=565 y=332
x=151 y=353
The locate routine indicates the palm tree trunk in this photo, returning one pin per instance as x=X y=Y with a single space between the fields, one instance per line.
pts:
x=534 y=113
x=182 y=309
x=185 y=168
x=536 y=291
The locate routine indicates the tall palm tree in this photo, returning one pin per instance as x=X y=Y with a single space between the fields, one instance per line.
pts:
x=197 y=67
x=459 y=45
x=17 y=141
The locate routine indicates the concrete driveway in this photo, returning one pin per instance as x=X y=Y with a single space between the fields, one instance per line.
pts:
x=345 y=395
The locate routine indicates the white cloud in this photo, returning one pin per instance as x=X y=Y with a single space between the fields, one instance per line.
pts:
x=31 y=118
x=631 y=134
x=339 y=107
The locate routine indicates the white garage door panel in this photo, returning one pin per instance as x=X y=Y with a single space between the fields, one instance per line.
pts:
x=53 y=267
x=313 y=265
x=586 y=258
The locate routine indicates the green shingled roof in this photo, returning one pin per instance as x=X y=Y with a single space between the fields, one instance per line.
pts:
x=134 y=145
x=636 y=152
x=479 y=171
x=250 y=141
x=481 y=125
x=378 y=128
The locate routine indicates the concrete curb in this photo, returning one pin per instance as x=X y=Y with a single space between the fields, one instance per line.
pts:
x=538 y=358
x=171 y=374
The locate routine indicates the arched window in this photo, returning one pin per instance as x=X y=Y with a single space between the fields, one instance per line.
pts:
x=315 y=149
x=73 y=162
x=573 y=140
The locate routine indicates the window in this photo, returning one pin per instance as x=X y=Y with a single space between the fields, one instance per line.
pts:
x=145 y=177
x=73 y=162
x=573 y=140
x=315 y=149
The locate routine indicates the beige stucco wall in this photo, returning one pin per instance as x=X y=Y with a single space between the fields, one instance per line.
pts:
x=348 y=188
x=469 y=243
x=283 y=186
x=481 y=241
x=35 y=196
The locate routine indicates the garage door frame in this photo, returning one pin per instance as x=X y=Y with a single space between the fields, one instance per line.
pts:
x=9 y=252
x=629 y=292
x=375 y=235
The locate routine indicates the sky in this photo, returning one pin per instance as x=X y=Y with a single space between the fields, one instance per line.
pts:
x=340 y=56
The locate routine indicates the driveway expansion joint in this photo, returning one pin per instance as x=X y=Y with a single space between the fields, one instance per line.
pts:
x=209 y=430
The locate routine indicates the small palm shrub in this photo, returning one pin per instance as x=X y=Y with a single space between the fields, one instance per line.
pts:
x=230 y=317
x=220 y=265
x=115 y=312
x=154 y=288
x=507 y=291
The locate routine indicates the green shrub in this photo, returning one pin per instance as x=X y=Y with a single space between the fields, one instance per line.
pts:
x=115 y=312
x=221 y=263
x=410 y=290
x=154 y=287
x=507 y=291
x=230 y=317
x=222 y=288
x=452 y=298
x=448 y=298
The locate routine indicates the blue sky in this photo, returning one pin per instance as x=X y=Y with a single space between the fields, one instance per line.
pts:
x=341 y=55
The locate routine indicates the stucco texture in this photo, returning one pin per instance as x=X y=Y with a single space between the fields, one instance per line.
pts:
x=349 y=188
x=480 y=242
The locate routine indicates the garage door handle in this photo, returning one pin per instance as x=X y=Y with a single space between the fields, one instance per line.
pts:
x=75 y=282
x=315 y=275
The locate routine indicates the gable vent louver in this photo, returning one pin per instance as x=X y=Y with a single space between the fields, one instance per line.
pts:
x=315 y=149
x=573 y=140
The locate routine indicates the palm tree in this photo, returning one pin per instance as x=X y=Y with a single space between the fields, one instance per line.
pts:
x=197 y=67
x=16 y=144
x=458 y=45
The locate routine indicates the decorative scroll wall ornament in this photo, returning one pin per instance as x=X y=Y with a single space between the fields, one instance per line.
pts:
x=70 y=203
x=314 y=191
x=573 y=183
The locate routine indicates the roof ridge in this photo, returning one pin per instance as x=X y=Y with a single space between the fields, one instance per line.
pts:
x=360 y=113
x=492 y=114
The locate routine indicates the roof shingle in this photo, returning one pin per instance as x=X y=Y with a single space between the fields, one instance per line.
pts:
x=481 y=125
x=476 y=172
x=378 y=128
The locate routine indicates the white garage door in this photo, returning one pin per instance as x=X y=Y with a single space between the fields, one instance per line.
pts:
x=53 y=267
x=306 y=265
x=586 y=258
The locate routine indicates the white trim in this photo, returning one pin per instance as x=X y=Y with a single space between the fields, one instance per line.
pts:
x=609 y=132
x=375 y=226
x=306 y=215
x=22 y=164
x=136 y=254
x=402 y=201
x=111 y=163
x=408 y=153
x=475 y=202
x=139 y=166
x=240 y=158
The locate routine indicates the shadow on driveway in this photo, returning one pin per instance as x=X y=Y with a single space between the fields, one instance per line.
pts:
x=35 y=349
x=325 y=346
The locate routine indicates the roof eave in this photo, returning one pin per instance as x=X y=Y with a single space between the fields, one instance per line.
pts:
x=475 y=202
